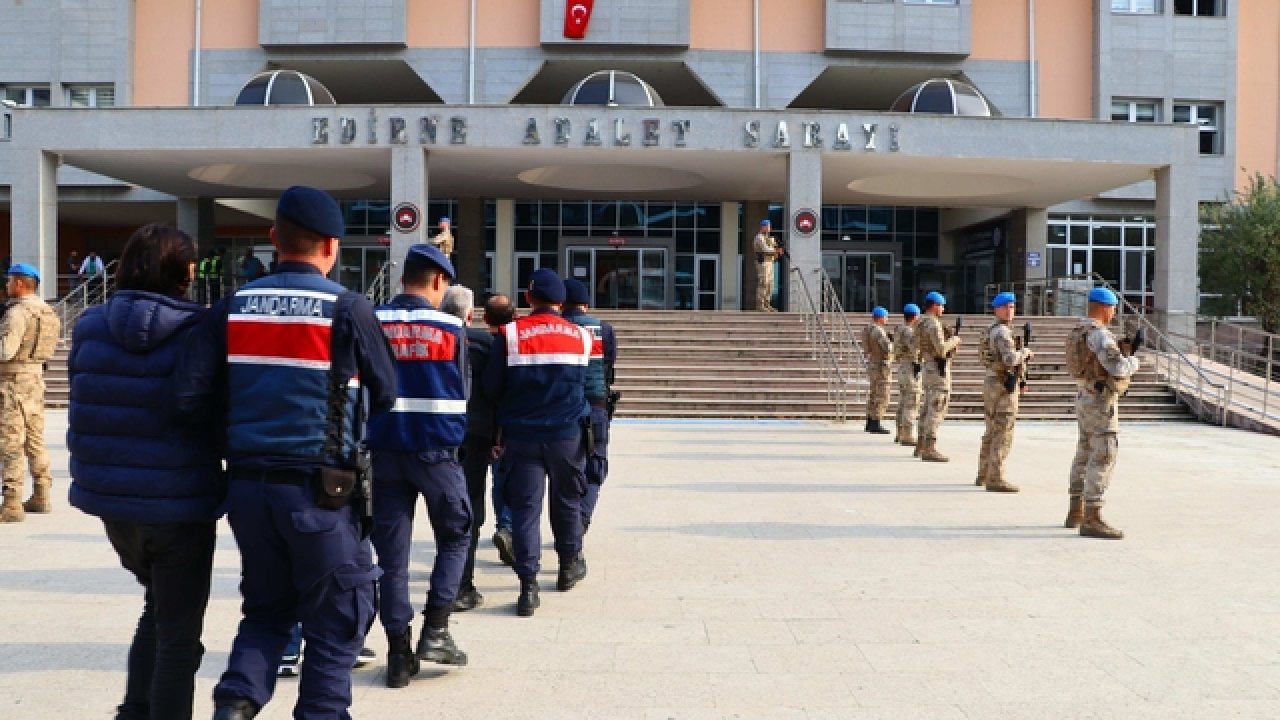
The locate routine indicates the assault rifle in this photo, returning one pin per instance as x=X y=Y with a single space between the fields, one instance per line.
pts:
x=1013 y=379
x=1129 y=346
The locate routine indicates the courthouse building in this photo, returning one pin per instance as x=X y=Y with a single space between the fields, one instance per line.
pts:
x=902 y=145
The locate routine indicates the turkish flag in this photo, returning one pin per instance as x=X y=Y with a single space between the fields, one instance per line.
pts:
x=577 y=13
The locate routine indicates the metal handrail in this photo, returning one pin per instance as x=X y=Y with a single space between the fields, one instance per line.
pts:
x=834 y=311
x=379 y=291
x=823 y=350
x=84 y=296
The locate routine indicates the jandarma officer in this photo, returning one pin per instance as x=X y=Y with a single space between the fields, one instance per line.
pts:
x=536 y=376
x=287 y=347
x=599 y=378
x=415 y=452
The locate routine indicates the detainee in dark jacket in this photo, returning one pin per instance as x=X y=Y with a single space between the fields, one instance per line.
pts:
x=155 y=481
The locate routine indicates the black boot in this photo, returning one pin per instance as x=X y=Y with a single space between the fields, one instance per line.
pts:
x=402 y=664
x=571 y=573
x=235 y=710
x=874 y=426
x=468 y=599
x=867 y=426
x=436 y=645
x=529 y=600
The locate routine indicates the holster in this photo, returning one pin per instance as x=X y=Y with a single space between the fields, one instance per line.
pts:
x=588 y=435
x=611 y=403
x=915 y=369
x=942 y=366
x=335 y=487
x=1010 y=381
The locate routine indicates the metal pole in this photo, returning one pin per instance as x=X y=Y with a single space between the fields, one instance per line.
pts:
x=195 y=62
x=755 y=49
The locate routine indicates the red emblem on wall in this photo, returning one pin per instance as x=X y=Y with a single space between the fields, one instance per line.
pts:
x=406 y=217
x=577 y=13
x=805 y=222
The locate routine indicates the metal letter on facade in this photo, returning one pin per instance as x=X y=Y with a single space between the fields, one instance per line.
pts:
x=782 y=138
x=619 y=137
x=373 y=126
x=458 y=130
x=652 y=131
x=869 y=130
x=842 y=138
x=319 y=131
x=531 y=136
x=346 y=130
x=593 y=132
x=564 y=128
x=399 y=133
x=812 y=134
x=751 y=134
x=427 y=129
x=681 y=128
x=893 y=138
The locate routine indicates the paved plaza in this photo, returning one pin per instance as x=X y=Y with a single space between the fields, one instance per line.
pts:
x=783 y=571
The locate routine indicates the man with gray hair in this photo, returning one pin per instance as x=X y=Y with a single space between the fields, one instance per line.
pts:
x=460 y=302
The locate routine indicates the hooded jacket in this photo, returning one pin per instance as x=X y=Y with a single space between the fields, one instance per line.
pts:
x=132 y=458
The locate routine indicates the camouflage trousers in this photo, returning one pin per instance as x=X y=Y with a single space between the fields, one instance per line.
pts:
x=878 y=374
x=1000 y=411
x=908 y=399
x=937 y=398
x=22 y=432
x=1098 y=420
x=764 y=285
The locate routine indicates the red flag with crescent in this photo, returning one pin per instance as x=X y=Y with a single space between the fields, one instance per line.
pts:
x=577 y=13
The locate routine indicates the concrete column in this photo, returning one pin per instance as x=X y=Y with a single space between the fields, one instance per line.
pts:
x=408 y=185
x=1030 y=229
x=804 y=191
x=1177 y=285
x=33 y=215
x=468 y=248
x=196 y=218
x=504 y=249
x=730 y=293
x=752 y=214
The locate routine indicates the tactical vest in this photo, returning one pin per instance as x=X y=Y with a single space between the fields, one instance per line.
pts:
x=1083 y=363
x=904 y=344
x=547 y=358
x=431 y=392
x=279 y=354
x=40 y=340
x=989 y=359
x=595 y=386
x=924 y=333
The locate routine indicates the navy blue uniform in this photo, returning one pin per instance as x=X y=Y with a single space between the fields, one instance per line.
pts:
x=415 y=452
x=280 y=347
x=477 y=443
x=604 y=354
x=535 y=374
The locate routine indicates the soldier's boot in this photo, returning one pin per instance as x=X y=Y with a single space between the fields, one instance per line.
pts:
x=235 y=710
x=1075 y=512
x=436 y=645
x=528 y=600
x=906 y=436
x=11 y=511
x=571 y=573
x=1094 y=526
x=402 y=662
x=897 y=435
x=981 y=479
x=999 y=485
x=919 y=446
x=930 y=452
x=39 y=501
x=874 y=427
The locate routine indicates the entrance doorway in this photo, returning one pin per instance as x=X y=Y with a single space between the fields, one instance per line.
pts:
x=621 y=278
x=360 y=264
x=861 y=279
x=525 y=264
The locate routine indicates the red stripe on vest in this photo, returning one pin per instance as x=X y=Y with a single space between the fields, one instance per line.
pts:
x=556 y=337
x=418 y=342
x=296 y=341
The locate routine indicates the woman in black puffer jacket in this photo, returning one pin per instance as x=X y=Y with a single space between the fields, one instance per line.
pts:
x=155 y=481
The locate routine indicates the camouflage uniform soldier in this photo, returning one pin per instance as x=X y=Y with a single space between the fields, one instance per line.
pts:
x=28 y=337
x=767 y=252
x=907 y=355
x=444 y=239
x=1001 y=354
x=879 y=350
x=936 y=348
x=1102 y=369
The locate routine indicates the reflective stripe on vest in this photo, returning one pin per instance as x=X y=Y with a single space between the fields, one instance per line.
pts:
x=430 y=411
x=554 y=341
x=284 y=327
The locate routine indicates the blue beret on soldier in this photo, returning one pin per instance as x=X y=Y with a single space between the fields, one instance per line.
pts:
x=1004 y=298
x=1103 y=295
x=765 y=222
x=312 y=209
x=546 y=285
x=432 y=254
x=936 y=298
x=911 y=309
x=879 y=312
x=24 y=270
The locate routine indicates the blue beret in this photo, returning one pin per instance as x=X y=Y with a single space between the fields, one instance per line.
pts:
x=911 y=309
x=765 y=222
x=24 y=269
x=879 y=312
x=575 y=293
x=312 y=209
x=546 y=285
x=432 y=254
x=1004 y=298
x=1103 y=295
x=936 y=298
x=443 y=219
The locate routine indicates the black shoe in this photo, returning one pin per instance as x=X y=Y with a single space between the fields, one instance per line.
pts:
x=570 y=574
x=867 y=426
x=436 y=645
x=402 y=663
x=529 y=600
x=506 y=548
x=469 y=599
x=365 y=657
x=874 y=426
x=235 y=710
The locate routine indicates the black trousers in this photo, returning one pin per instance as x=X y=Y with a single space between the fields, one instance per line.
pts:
x=475 y=466
x=173 y=562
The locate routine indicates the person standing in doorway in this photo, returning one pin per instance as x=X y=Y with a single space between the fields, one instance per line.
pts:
x=768 y=250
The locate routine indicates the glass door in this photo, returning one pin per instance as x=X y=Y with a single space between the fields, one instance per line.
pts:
x=862 y=280
x=707 y=282
x=526 y=263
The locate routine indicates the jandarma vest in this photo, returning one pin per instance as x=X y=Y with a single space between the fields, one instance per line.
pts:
x=547 y=358
x=595 y=384
x=279 y=351
x=431 y=402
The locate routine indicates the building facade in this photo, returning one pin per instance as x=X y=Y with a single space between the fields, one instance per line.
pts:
x=1108 y=122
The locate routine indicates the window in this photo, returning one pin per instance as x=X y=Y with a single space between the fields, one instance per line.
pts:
x=1208 y=117
x=1200 y=8
x=87 y=96
x=1138 y=7
x=1136 y=111
x=30 y=95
